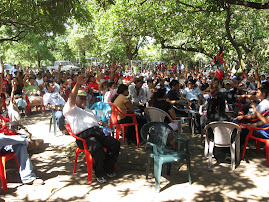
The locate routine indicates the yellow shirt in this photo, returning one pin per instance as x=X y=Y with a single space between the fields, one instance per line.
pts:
x=120 y=102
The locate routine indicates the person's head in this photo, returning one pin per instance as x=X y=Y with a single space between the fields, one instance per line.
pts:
x=91 y=78
x=50 y=86
x=216 y=104
x=139 y=83
x=263 y=91
x=50 y=78
x=123 y=89
x=150 y=83
x=190 y=84
x=227 y=84
x=203 y=80
x=81 y=99
x=262 y=77
x=39 y=75
x=111 y=85
x=32 y=80
x=174 y=85
x=159 y=93
x=103 y=85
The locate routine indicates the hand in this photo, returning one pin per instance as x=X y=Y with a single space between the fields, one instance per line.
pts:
x=257 y=67
x=101 y=123
x=253 y=105
x=80 y=79
x=239 y=118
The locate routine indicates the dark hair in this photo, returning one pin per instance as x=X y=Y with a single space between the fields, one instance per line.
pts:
x=192 y=81
x=265 y=88
x=47 y=84
x=110 y=84
x=217 y=103
x=149 y=81
x=173 y=83
x=120 y=90
x=160 y=93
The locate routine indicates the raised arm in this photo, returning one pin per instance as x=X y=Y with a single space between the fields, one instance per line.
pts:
x=257 y=77
x=73 y=95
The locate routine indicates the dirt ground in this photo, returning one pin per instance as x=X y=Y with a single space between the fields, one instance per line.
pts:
x=53 y=162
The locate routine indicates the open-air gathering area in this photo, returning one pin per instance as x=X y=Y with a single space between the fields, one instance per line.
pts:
x=128 y=100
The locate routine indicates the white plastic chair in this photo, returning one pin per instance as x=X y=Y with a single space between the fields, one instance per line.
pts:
x=158 y=115
x=222 y=137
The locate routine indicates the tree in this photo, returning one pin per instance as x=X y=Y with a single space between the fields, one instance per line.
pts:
x=19 y=17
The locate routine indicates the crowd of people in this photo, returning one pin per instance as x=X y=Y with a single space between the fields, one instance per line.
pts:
x=70 y=94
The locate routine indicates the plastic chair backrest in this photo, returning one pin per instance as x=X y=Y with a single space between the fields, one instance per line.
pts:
x=115 y=111
x=157 y=114
x=155 y=133
x=222 y=131
x=102 y=110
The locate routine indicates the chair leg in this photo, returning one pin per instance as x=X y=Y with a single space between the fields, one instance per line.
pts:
x=206 y=147
x=76 y=160
x=168 y=168
x=237 y=149
x=245 y=147
x=54 y=125
x=189 y=167
x=232 y=150
x=148 y=167
x=123 y=133
x=50 y=124
x=3 y=174
x=89 y=166
x=267 y=151
x=211 y=148
x=137 y=135
x=157 y=173
x=258 y=143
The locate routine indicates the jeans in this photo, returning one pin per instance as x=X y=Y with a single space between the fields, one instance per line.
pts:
x=60 y=119
x=18 y=144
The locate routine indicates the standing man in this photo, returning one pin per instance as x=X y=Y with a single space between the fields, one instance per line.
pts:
x=85 y=124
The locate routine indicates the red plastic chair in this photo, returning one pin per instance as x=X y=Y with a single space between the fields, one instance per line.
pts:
x=4 y=128
x=4 y=101
x=258 y=141
x=88 y=155
x=4 y=158
x=114 y=122
x=28 y=106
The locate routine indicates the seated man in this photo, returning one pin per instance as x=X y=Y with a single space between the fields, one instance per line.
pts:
x=85 y=124
x=263 y=106
x=53 y=100
x=174 y=98
x=194 y=98
x=137 y=94
x=18 y=144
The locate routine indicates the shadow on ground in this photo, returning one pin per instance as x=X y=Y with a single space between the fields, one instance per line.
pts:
x=213 y=184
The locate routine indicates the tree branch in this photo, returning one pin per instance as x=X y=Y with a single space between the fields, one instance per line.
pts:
x=247 y=4
x=189 y=49
x=15 y=38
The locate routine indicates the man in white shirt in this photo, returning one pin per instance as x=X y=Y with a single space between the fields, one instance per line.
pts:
x=39 y=79
x=263 y=106
x=137 y=94
x=53 y=100
x=85 y=124
x=194 y=97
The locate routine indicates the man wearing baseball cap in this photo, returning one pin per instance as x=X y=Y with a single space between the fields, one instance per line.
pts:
x=85 y=124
